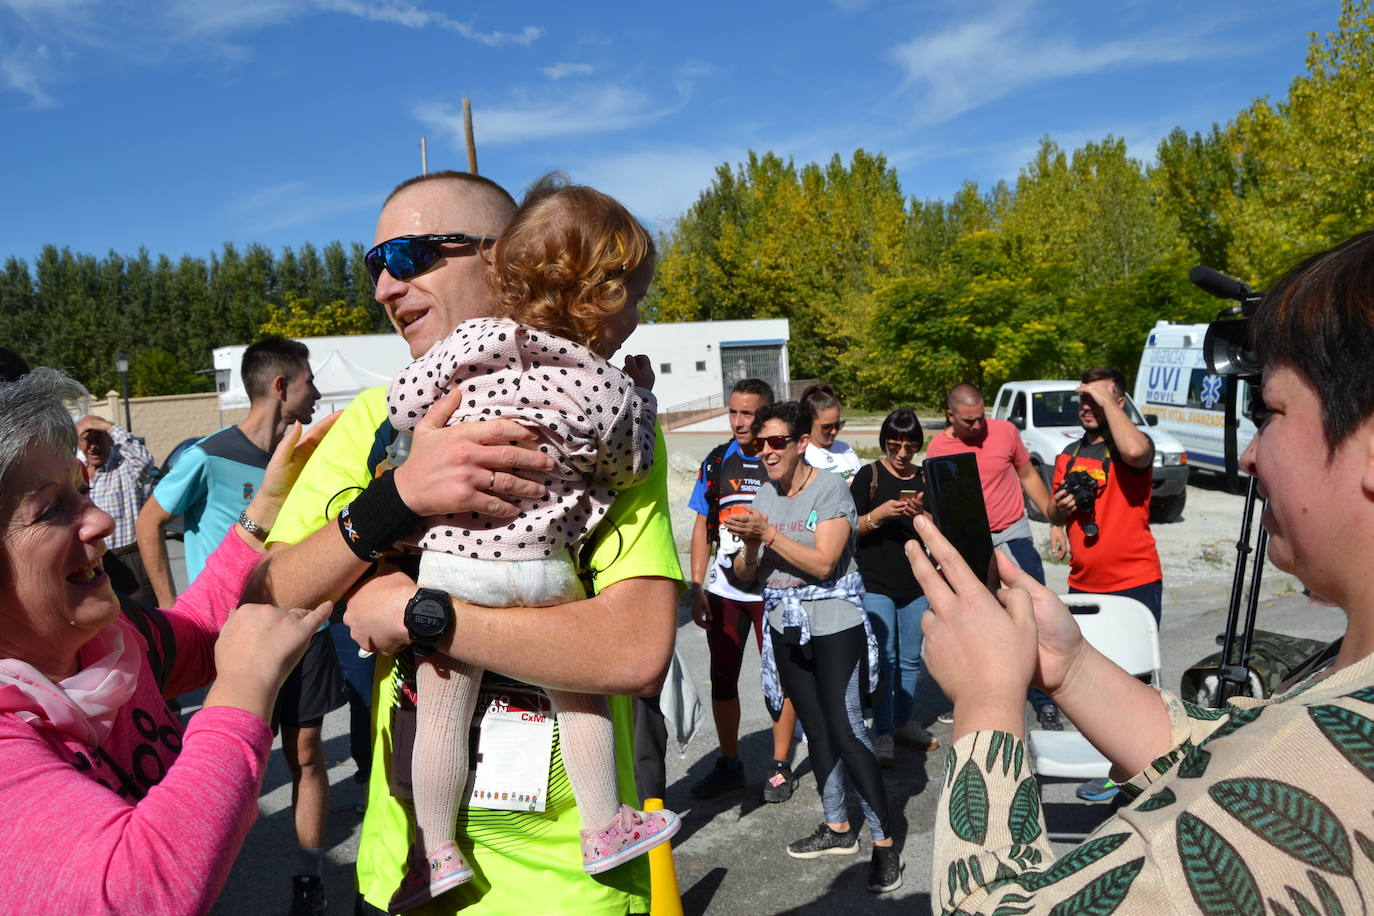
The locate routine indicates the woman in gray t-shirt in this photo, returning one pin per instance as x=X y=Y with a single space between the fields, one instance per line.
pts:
x=799 y=539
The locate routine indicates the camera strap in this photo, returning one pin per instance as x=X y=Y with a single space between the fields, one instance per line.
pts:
x=1106 y=461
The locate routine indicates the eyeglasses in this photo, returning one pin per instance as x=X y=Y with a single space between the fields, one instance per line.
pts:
x=894 y=445
x=831 y=427
x=411 y=255
x=776 y=443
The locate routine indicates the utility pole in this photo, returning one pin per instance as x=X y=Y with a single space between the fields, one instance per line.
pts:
x=467 y=131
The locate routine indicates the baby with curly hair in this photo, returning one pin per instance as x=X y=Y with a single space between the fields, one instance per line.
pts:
x=567 y=275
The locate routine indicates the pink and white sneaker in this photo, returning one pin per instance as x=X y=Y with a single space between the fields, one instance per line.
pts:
x=426 y=879
x=631 y=833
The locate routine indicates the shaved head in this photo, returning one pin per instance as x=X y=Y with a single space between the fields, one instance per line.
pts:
x=964 y=394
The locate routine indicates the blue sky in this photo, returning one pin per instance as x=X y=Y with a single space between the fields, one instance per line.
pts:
x=178 y=126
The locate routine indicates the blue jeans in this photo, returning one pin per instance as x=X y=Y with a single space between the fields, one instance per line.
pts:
x=898 y=631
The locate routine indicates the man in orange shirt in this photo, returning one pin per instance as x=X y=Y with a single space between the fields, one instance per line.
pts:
x=1112 y=551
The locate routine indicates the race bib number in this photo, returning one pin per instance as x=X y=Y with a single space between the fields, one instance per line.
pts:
x=514 y=750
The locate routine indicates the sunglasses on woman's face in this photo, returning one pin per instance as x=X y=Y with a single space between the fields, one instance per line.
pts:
x=776 y=443
x=894 y=445
x=831 y=427
x=411 y=255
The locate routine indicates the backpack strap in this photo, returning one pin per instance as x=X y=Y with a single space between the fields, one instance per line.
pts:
x=156 y=632
x=710 y=475
x=872 y=484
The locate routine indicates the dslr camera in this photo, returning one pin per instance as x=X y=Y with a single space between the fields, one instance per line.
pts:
x=1083 y=488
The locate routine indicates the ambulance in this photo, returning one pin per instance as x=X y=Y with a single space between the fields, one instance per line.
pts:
x=1175 y=385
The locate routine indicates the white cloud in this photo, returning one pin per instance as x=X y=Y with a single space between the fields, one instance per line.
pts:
x=25 y=71
x=561 y=70
x=411 y=16
x=588 y=111
x=296 y=203
x=980 y=60
x=193 y=28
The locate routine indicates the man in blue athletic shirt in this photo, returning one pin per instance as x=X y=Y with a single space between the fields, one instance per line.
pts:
x=211 y=485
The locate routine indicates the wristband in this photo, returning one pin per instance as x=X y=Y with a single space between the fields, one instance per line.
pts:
x=252 y=527
x=770 y=541
x=376 y=518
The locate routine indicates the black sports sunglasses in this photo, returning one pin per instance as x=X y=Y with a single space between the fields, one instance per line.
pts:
x=411 y=255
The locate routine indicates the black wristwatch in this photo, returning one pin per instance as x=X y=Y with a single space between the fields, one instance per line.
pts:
x=429 y=617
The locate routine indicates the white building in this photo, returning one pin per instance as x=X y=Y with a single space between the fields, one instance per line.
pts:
x=695 y=361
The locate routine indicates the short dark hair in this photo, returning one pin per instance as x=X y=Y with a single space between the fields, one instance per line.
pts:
x=268 y=358
x=454 y=175
x=1098 y=373
x=818 y=397
x=901 y=424
x=793 y=413
x=1318 y=319
x=755 y=386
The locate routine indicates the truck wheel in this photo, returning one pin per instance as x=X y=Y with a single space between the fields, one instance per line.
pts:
x=1168 y=508
x=1034 y=513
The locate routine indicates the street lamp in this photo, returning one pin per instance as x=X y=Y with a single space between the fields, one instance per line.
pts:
x=122 y=364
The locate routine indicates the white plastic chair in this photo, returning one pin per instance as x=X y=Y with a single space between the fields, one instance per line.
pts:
x=1122 y=629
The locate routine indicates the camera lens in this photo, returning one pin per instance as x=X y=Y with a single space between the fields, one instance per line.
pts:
x=1090 y=530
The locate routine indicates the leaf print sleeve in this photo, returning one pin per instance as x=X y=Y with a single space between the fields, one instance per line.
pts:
x=1192 y=726
x=992 y=854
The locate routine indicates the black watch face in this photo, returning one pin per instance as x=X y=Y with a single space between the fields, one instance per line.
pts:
x=428 y=618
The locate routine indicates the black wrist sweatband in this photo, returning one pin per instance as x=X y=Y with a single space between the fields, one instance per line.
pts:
x=376 y=518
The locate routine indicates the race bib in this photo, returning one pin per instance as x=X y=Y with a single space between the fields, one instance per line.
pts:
x=514 y=750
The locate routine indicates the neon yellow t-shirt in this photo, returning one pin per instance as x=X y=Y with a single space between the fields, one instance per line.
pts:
x=524 y=861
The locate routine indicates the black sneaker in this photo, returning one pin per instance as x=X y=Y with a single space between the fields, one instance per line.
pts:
x=885 y=869
x=307 y=896
x=1049 y=718
x=727 y=776
x=780 y=784
x=825 y=842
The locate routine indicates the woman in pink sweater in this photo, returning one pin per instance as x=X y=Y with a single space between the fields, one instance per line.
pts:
x=110 y=806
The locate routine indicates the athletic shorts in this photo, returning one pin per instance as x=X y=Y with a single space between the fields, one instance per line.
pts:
x=313 y=689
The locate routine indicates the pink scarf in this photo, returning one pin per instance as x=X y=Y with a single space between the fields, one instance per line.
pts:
x=83 y=706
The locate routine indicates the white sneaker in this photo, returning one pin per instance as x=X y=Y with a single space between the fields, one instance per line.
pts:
x=882 y=744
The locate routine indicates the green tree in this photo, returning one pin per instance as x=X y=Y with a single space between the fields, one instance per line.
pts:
x=301 y=317
x=1313 y=155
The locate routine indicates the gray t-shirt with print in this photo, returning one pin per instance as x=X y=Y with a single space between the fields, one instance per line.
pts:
x=796 y=517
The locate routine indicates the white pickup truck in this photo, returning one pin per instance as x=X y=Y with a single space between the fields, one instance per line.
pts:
x=1046 y=412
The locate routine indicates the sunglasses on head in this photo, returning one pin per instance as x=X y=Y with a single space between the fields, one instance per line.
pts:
x=776 y=443
x=411 y=255
x=832 y=427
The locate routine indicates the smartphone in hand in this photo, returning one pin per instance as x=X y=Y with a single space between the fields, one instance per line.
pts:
x=915 y=488
x=954 y=498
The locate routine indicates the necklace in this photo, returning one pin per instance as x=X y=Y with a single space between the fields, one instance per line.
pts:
x=811 y=472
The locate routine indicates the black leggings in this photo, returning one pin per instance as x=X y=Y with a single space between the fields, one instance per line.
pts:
x=821 y=679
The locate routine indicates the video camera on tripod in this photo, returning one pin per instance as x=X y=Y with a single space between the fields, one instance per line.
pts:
x=1230 y=353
